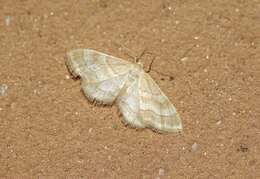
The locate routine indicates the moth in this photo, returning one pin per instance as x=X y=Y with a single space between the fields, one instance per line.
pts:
x=110 y=80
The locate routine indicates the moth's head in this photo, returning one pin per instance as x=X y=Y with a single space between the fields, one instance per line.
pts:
x=140 y=64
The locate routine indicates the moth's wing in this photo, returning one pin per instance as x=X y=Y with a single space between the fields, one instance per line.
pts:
x=105 y=91
x=156 y=110
x=102 y=76
x=95 y=66
x=128 y=104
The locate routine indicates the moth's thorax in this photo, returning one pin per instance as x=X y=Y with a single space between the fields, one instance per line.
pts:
x=135 y=71
x=139 y=64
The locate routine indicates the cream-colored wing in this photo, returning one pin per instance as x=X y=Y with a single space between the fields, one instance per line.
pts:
x=102 y=76
x=95 y=66
x=128 y=103
x=156 y=110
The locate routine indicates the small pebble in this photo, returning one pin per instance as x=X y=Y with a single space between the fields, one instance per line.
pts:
x=184 y=59
x=161 y=172
x=219 y=122
x=90 y=130
x=7 y=20
x=3 y=89
x=194 y=147
x=36 y=91
x=167 y=150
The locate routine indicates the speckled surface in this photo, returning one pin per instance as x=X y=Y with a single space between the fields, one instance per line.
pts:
x=206 y=61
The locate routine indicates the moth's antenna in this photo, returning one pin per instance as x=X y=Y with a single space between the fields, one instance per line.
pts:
x=156 y=71
x=150 y=66
x=128 y=53
x=137 y=59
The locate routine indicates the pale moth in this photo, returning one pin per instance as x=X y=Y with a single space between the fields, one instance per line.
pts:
x=107 y=80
